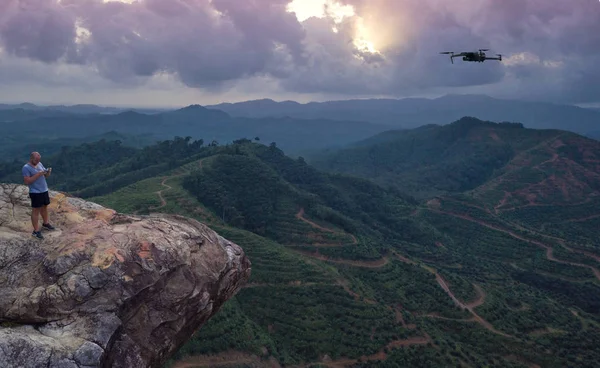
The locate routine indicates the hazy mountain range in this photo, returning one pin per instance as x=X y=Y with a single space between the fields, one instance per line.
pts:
x=413 y=112
x=299 y=129
x=295 y=136
x=76 y=109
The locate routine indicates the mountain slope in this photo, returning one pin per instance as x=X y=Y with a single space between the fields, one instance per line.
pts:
x=541 y=181
x=461 y=156
x=336 y=276
x=413 y=112
x=348 y=273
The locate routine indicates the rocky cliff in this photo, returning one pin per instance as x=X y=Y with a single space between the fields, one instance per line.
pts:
x=106 y=289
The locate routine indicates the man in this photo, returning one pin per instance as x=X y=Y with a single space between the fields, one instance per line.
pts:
x=34 y=175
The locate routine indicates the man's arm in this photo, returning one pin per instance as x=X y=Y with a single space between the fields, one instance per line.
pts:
x=48 y=172
x=30 y=179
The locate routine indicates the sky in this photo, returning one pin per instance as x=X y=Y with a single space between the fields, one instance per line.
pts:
x=167 y=53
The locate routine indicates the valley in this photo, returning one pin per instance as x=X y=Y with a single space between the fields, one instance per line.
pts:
x=346 y=272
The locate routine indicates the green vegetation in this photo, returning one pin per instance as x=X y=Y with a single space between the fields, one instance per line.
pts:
x=352 y=273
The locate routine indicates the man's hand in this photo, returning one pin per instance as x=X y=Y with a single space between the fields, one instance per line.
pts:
x=48 y=172
x=30 y=179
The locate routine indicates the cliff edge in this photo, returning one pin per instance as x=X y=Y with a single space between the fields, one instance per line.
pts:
x=106 y=289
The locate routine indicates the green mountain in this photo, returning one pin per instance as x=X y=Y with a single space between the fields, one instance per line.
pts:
x=465 y=155
x=350 y=273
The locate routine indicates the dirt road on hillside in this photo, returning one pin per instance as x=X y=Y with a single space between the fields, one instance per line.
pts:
x=549 y=249
x=467 y=306
x=300 y=216
x=163 y=201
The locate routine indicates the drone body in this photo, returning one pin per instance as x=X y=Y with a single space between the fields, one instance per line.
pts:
x=478 y=56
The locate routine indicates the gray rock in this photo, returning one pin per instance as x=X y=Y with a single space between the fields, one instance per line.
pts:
x=106 y=289
x=88 y=354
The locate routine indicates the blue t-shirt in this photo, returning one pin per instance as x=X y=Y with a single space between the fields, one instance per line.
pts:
x=40 y=185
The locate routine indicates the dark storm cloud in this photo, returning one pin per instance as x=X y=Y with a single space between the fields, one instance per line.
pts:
x=213 y=44
x=564 y=35
x=36 y=29
x=204 y=42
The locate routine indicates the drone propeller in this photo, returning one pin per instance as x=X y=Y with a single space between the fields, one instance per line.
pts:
x=484 y=49
x=447 y=52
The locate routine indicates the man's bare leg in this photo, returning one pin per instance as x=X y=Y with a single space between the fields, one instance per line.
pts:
x=35 y=218
x=44 y=211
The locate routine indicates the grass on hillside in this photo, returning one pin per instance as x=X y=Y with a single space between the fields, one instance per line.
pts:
x=376 y=306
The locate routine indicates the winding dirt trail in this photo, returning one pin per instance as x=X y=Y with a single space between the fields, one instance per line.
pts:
x=549 y=249
x=480 y=297
x=582 y=219
x=163 y=201
x=300 y=216
x=468 y=306
x=367 y=264
x=532 y=204
x=378 y=263
x=381 y=355
x=502 y=202
x=562 y=242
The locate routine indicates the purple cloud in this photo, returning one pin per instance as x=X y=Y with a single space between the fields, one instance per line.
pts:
x=37 y=29
x=212 y=44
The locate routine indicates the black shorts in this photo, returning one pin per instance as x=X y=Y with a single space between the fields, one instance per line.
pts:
x=39 y=199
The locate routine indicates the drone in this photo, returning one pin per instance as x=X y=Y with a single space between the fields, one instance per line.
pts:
x=478 y=56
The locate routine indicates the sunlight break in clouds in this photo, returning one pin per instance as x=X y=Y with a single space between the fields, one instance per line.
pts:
x=305 y=9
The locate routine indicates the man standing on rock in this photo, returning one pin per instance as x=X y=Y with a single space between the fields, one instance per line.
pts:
x=34 y=175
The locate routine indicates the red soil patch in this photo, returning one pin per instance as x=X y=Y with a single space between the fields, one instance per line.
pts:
x=494 y=136
x=434 y=203
x=381 y=355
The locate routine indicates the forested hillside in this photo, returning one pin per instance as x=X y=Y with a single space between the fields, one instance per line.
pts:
x=346 y=272
x=457 y=157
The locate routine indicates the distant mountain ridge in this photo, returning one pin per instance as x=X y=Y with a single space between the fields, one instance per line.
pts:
x=410 y=113
x=76 y=109
x=295 y=136
x=468 y=153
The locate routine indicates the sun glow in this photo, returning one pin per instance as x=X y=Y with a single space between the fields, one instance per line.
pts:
x=82 y=34
x=305 y=9
x=120 y=1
